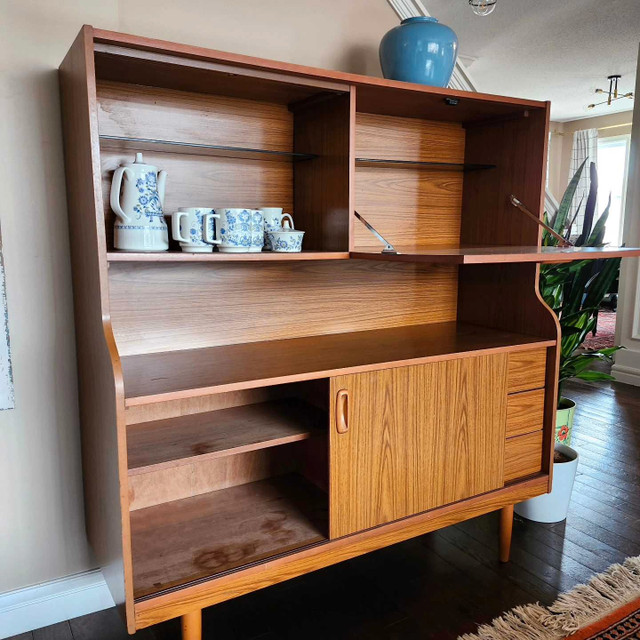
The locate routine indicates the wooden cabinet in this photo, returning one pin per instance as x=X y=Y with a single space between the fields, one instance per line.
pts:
x=248 y=418
x=416 y=438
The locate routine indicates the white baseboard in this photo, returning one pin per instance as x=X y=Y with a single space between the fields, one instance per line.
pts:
x=628 y=375
x=44 y=604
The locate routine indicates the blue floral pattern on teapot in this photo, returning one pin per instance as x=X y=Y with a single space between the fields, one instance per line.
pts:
x=148 y=204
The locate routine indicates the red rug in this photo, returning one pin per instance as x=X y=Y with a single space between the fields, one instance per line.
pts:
x=622 y=624
x=605 y=332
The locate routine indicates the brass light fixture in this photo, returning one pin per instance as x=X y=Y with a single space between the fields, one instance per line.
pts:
x=613 y=94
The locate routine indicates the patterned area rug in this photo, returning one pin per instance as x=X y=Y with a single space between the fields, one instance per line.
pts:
x=608 y=608
x=622 y=624
x=605 y=331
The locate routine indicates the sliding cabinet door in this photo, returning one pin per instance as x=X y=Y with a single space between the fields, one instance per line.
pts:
x=409 y=439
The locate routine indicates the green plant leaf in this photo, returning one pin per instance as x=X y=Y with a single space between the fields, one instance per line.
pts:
x=560 y=219
x=594 y=376
x=598 y=230
x=599 y=287
x=590 y=207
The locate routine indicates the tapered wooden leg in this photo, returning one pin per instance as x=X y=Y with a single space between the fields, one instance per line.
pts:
x=506 y=527
x=192 y=625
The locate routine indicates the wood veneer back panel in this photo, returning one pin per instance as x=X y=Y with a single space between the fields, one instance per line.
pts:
x=408 y=206
x=166 y=114
x=518 y=148
x=322 y=191
x=167 y=307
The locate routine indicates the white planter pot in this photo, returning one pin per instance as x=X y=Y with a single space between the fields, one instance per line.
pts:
x=554 y=506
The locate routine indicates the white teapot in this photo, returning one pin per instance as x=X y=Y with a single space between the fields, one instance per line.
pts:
x=140 y=223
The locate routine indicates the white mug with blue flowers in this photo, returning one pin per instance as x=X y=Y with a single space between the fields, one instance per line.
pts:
x=193 y=228
x=240 y=230
x=274 y=220
x=137 y=198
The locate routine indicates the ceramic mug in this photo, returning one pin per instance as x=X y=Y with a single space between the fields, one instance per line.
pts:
x=274 y=220
x=286 y=240
x=193 y=228
x=240 y=230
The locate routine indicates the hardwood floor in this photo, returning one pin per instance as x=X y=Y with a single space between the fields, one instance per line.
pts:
x=445 y=583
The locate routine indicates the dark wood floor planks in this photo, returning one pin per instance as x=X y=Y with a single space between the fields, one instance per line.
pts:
x=445 y=583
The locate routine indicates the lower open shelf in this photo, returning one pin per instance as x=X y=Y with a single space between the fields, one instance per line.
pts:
x=187 y=540
x=160 y=444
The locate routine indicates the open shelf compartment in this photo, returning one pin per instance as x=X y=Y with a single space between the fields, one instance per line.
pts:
x=280 y=145
x=209 y=534
x=172 y=375
x=162 y=444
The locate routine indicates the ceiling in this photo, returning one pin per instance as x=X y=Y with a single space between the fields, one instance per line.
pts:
x=558 y=50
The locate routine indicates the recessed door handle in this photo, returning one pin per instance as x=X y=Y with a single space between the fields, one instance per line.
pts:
x=342 y=411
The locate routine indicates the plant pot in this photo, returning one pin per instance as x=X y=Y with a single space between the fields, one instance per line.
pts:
x=554 y=506
x=419 y=50
x=564 y=421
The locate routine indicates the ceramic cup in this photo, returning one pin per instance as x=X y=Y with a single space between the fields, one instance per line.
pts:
x=193 y=228
x=274 y=220
x=286 y=240
x=240 y=230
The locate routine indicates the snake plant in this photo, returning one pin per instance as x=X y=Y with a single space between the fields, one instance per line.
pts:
x=575 y=290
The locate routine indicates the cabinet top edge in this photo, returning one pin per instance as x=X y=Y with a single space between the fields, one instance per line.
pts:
x=152 y=45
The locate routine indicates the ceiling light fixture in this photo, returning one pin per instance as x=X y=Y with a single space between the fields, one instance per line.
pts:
x=482 y=7
x=612 y=93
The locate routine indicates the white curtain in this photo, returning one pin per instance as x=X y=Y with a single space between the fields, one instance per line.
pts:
x=585 y=146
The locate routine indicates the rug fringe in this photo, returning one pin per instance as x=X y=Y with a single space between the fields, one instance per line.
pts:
x=584 y=604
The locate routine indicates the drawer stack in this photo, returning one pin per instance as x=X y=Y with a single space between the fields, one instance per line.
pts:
x=525 y=414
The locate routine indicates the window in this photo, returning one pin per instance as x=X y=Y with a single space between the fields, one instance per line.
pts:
x=613 y=160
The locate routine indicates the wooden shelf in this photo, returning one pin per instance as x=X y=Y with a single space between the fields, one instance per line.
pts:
x=160 y=444
x=172 y=375
x=198 y=537
x=414 y=164
x=264 y=256
x=123 y=143
x=490 y=255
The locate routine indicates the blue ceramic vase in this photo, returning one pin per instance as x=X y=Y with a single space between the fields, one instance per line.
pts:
x=419 y=50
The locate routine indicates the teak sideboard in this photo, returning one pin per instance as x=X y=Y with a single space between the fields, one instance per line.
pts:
x=247 y=418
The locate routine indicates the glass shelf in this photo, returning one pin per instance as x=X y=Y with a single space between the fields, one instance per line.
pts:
x=414 y=164
x=172 y=146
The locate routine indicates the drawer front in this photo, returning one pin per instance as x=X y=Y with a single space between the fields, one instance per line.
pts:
x=527 y=370
x=522 y=456
x=525 y=412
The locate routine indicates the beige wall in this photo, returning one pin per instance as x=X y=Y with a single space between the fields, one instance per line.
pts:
x=561 y=142
x=42 y=528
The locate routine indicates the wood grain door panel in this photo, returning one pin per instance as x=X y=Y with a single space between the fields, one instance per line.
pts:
x=417 y=438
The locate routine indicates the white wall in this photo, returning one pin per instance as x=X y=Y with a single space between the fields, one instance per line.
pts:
x=561 y=143
x=42 y=527
x=627 y=366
